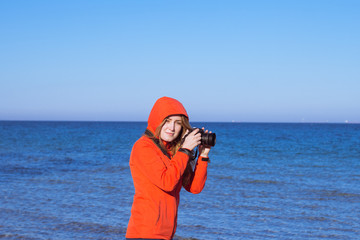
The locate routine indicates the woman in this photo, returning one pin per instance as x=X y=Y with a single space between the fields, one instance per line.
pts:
x=160 y=164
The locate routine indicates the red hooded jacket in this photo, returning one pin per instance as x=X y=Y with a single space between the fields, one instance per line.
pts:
x=158 y=179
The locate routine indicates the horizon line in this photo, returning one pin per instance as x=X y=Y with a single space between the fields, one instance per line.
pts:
x=232 y=121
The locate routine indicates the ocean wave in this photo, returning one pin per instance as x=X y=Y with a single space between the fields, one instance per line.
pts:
x=11 y=236
x=181 y=238
x=90 y=228
x=336 y=194
x=21 y=170
x=355 y=197
x=258 y=181
x=223 y=177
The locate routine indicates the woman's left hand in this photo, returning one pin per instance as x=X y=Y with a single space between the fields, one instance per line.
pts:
x=204 y=150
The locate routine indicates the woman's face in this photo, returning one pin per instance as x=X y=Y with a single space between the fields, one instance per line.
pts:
x=171 y=129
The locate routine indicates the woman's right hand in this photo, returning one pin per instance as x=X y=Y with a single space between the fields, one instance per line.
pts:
x=192 y=140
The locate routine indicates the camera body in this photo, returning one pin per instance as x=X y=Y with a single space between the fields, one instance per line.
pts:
x=207 y=139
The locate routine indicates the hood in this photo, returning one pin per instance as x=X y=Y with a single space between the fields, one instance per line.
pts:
x=163 y=108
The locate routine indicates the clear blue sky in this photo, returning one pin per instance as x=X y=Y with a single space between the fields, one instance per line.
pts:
x=252 y=61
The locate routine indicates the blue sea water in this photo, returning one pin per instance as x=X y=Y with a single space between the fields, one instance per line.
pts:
x=71 y=180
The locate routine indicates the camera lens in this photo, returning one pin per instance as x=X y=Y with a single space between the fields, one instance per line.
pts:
x=208 y=139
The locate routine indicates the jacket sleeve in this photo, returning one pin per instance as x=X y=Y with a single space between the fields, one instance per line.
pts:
x=199 y=177
x=149 y=162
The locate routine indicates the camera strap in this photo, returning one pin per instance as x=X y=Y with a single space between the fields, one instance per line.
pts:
x=155 y=140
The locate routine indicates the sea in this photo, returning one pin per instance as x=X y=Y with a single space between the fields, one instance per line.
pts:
x=71 y=180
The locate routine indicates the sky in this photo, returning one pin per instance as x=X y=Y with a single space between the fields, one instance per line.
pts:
x=227 y=61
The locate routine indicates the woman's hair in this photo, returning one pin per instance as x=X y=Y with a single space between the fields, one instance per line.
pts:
x=175 y=145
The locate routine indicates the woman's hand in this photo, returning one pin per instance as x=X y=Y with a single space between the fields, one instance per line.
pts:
x=204 y=150
x=192 y=140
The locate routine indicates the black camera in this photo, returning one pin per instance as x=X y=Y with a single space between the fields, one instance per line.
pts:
x=207 y=139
